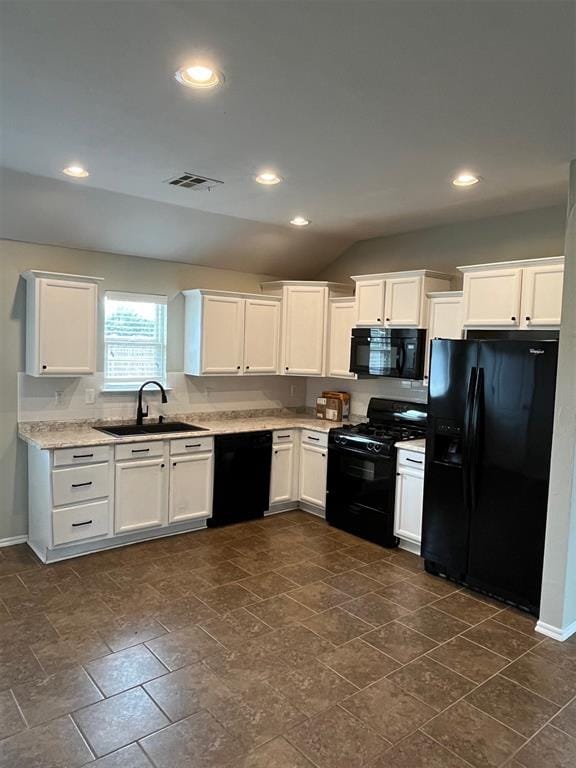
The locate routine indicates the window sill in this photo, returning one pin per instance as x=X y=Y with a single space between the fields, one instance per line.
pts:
x=110 y=389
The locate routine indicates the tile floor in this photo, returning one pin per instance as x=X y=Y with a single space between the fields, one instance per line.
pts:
x=282 y=643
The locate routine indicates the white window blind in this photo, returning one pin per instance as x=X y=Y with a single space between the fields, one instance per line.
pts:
x=134 y=339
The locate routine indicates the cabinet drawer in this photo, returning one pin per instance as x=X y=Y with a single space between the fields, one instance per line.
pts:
x=75 y=484
x=411 y=459
x=281 y=436
x=83 y=521
x=140 y=450
x=191 y=445
x=315 y=438
x=88 y=455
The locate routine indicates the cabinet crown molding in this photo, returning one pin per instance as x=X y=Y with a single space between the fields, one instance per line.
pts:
x=406 y=273
x=520 y=263
x=231 y=294
x=275 y=285
x=445 y=294
x=34 y=274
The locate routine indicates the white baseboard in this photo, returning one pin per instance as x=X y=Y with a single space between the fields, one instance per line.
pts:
x=13 y=540
x=409 y=546
x=281 y=506
x=312 y=508
x=556 y=633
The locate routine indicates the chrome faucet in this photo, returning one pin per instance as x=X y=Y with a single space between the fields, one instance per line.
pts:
x=140 y=412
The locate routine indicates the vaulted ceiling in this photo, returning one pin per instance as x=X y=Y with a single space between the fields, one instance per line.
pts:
x=367 y=109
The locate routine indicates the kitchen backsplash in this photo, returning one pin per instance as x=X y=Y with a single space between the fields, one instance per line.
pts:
x=362 y=390
x=64 y=399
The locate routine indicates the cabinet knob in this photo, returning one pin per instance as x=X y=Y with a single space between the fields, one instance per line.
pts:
x=513 y=318
x=247 y=367
x=378 y=319
x=173 y=464
x=237 y=367
x=387 y=319
x=275 y=451
x=162 y=466
x=527 y=317
x=287 y=368
x=324 y=455
x=44 y=367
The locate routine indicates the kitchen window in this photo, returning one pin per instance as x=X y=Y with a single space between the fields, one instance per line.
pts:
x=134 y=339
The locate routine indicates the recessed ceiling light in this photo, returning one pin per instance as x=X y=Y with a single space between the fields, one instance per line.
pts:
x=268 y=178
x=465 y=179
x=300 y=221
x=76 y=171
x=199 y=76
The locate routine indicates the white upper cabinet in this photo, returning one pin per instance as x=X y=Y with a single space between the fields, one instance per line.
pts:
x=342 y=318
x=230 y=334
x=521 y=294
x=397 y=299
x=304 y=330
x=261 y=335
x=370 y=302
x=444 y=320
x=62 y=322
x=492 y=297
x=542 y=295
x=403 y=302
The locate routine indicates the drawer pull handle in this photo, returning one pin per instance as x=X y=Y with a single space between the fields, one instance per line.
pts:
x=282 y=437
x=414 y=461
x=193 y=445
x=81 y=485
x=313 y=438
x=86 y=522
x=140 y=450
x=82 y=455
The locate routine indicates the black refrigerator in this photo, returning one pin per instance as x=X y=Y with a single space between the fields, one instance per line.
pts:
x=490 y=415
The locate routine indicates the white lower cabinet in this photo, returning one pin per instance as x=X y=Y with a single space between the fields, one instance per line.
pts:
x=409 y=497
x=282 y=476
x=141 y=494
x=191 y=479
x=313 y=469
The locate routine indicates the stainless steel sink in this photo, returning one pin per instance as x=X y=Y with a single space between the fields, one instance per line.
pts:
x=165 y=427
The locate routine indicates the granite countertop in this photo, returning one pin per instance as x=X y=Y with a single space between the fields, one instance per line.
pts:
x=48 y=435
x=418 y=445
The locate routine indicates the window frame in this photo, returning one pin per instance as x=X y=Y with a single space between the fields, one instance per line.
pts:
x=133 y=383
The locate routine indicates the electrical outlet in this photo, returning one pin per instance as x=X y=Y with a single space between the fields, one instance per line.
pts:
x=406 y=384
x=58 y=397
x=292 y=390
x=89 y=396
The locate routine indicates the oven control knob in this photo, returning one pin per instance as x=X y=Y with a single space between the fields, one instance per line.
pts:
x=378 y=448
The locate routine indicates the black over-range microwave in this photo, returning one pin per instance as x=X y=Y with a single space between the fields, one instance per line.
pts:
x=397 y=352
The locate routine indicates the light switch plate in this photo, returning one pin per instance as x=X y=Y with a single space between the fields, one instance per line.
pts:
x=89 y=396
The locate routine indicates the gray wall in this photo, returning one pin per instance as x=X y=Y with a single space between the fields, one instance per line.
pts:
x=127 y=273
x=526 y=235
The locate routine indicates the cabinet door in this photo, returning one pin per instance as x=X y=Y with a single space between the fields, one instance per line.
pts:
x=66 y=323
x=342 y=318
x=370 y=302
x=542 y=295
x=222 y=334
x=141 y=494
x=304 y=329
x=191 y=478
x=281 y=480
x=408 y=509
x=261 y=336
x=445 y=322
x=403 y=302
x=313 y=467
x=492 y=297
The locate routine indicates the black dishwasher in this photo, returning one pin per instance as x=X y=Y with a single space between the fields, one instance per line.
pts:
x=241 y=477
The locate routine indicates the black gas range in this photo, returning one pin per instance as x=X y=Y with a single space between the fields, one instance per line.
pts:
x=362 y=468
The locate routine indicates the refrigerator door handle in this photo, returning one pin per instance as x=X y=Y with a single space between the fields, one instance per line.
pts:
x=475 y=437
x=467 y=438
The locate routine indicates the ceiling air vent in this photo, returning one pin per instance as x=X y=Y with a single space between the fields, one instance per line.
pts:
x=189 y=180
